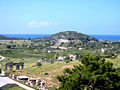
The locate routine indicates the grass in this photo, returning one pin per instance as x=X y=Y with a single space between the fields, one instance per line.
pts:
x=53 y=71
x=47 y=67
x=15 y=88
x=116 y=62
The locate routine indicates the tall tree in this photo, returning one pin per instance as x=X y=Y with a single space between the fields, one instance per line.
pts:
x=93 y=73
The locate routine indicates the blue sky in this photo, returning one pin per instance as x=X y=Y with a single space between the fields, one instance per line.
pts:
x=52 y=16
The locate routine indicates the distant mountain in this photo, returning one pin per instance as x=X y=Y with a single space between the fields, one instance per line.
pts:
x=67 y=35
x=72 y=35
x=7 y=38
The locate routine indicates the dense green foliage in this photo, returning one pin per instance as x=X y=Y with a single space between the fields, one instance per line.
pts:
x=94 y=73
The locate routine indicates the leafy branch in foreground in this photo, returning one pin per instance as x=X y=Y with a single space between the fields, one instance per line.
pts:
x=94 y=73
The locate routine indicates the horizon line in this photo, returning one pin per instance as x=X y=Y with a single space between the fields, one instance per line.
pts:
x=47 y=34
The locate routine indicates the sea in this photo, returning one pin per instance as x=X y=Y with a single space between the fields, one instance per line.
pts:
x=26 y=36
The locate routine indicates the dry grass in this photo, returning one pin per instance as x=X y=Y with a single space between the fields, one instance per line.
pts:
x=53 y=71
x=116 y=62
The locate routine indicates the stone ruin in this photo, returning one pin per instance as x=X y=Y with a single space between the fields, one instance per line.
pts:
x=11 y=64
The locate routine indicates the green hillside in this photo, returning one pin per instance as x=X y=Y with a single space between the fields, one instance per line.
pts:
x=69 y=35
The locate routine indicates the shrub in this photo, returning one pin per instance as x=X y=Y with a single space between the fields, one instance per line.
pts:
x=67 y=61
x=39 y=64
x=45 y=73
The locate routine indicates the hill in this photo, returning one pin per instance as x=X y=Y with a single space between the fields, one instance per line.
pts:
x=67 y=35
x=7 y=38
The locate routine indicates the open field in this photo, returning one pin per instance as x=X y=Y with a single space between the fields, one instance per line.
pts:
x=116 y=62
x=52 y=70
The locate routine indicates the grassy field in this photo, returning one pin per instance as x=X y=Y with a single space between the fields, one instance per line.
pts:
x=116 y=62
x=53 y=71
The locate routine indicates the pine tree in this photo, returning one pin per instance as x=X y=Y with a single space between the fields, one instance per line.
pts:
x=94 y=73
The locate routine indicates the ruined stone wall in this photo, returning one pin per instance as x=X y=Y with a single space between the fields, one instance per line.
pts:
x=11 y=64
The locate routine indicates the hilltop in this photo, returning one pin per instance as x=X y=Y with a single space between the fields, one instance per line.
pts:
x=67 y=35
x=72 y=35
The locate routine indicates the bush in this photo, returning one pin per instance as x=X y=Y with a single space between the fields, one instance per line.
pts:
x=45 y=73
x=67 y=61
x=52 y=62
x=39 y=64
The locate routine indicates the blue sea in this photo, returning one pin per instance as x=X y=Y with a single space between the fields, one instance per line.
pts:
x=106 y=37
x=99 y=37
x=26 y=36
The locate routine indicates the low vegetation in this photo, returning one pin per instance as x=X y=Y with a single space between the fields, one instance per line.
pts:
x=39 y=64
x=47 y=57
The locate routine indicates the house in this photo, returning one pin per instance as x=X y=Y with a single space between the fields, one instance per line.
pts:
x=60 y=58
x=80 y=48
x=72 y=57
x=49 y=51
x=103 y=50
x=63 y=48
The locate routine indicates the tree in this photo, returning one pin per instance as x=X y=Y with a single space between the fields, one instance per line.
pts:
x=93 y=73
x=0 y=70
x=39 y=64
x=9 y=46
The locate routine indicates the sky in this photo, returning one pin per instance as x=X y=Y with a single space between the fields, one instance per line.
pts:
x=52 y=16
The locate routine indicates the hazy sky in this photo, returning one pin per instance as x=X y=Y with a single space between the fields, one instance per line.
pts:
x=51 y=16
